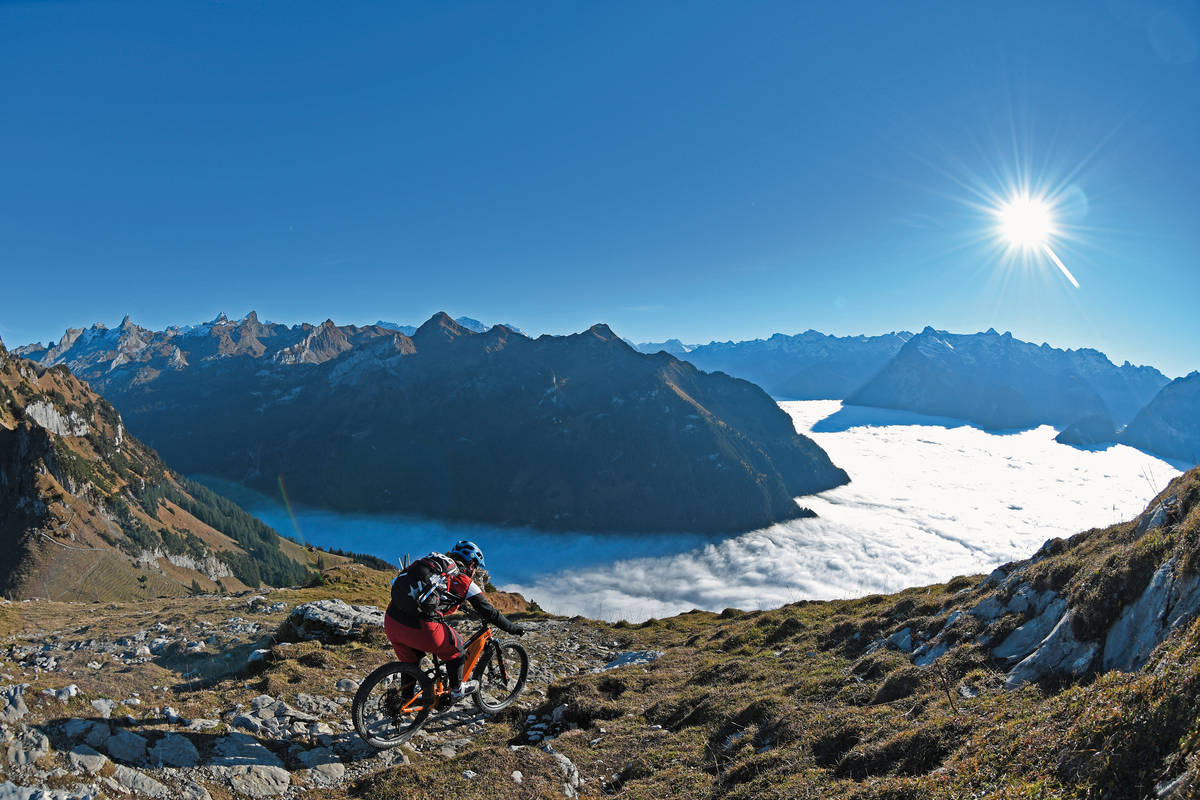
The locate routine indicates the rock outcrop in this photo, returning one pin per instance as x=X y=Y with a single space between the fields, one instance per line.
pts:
x=1036 y=628
x=329 y=621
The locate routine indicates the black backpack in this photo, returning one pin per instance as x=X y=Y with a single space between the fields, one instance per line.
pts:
x=419 y=591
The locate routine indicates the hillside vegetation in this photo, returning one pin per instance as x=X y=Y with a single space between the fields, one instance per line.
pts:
x=87 y=512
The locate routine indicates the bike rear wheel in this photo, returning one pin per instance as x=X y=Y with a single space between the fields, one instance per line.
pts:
x=392 y=704
x=501 y=673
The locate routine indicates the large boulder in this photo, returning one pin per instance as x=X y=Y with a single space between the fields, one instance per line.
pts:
x=127 y=746
x=329 y=621
x=174 y=750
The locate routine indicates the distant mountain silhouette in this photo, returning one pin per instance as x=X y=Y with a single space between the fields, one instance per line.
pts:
x=672 y=346
x=468 y=323
x=807 y=366
x=560 y=432
x=1170 y=424
x=1000 y=382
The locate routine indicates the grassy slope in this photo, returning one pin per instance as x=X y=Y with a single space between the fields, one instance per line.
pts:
x=783 y=704
x=774 y=704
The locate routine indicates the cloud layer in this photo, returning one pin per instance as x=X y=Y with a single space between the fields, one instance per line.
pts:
x=926 y=503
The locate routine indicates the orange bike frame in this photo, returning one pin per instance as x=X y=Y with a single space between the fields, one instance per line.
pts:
x=474 y=651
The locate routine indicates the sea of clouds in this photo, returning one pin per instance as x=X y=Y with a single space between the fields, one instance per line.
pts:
x=929 y=499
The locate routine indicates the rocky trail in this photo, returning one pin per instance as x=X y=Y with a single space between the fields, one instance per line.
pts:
x=202 y=699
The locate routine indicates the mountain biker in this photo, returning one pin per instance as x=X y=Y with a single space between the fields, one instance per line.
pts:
x=422 y=595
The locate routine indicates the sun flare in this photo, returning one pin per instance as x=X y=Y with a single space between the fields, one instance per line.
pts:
x=1026 y=222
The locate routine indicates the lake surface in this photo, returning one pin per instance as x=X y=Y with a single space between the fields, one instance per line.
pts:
x=929 y=499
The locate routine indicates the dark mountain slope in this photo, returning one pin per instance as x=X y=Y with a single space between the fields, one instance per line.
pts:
x=573 y=432
x=1170 y=424
x=89 y=512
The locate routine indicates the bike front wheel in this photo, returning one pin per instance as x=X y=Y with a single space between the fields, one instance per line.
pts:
x=392 y=704
x=501 y=674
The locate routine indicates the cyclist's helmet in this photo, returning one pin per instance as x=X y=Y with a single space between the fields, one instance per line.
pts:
x=468 y=553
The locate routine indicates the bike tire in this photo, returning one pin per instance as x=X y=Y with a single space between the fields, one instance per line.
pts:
x=373 y=722
x=494 y=692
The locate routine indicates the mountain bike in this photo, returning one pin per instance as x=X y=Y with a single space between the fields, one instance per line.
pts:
x=395 y=701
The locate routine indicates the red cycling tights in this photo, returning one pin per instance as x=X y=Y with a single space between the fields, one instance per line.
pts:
x=431 y=637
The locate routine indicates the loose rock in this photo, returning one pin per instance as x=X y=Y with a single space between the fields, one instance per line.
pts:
x=174 y=750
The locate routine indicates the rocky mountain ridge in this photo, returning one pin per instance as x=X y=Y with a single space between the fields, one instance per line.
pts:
x=560 y=432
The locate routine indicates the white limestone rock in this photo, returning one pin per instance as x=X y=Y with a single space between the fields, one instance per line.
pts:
x=258 y=780
x=174 y=750
x=240 y=749
x=1165 y=604
x=928 y=654
x=27 y=747
x=86 y=759
x=1059 y=653
x=1025 y=639
x=47 y=416
x=127 y=746
x=12 y=702
x=329 y=621
x=139 y=782
x=104 y=706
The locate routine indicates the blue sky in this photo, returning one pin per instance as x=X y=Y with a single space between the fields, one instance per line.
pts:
x=693 y=170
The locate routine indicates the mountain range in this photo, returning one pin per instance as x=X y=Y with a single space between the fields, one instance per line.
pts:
x=806 y=366
x=88 y=512
x=560 y=432
x=1001 y=382
x=672 y=346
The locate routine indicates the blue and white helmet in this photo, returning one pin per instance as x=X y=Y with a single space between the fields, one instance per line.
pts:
x=468 y=553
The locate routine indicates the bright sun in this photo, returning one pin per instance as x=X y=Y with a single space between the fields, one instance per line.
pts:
x=1026 y=222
